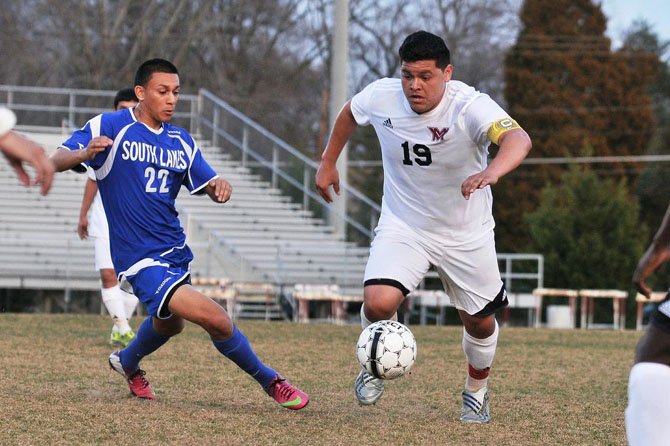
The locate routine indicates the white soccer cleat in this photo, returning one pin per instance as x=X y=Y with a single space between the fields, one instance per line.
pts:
x=476 y=406
x=368 y=389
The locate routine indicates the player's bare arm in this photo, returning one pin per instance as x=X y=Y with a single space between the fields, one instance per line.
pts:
x=327 y=174
x=514 y=147
x=219 y=190
x=656 y=255
x=90 y=190
x=19 y=149
x=65 y=159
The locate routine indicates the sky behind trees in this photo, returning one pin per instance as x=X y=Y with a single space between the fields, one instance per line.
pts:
x=622 y=13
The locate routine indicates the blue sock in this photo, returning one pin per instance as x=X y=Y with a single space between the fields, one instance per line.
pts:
x=147 y=340
x=237 y=349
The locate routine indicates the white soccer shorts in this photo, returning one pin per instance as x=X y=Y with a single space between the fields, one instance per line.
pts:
x=103 y=254
x=469 y=273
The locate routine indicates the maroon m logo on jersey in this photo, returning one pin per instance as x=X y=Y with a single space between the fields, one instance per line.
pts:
x=438 y=134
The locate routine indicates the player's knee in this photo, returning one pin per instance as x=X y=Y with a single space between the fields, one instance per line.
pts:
x=108 y=278
x=379 y=309
x=381 y=302
x=479 y=327
x=218 y=326
x=169 y=327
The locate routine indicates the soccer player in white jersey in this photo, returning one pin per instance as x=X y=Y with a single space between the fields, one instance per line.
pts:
x=19 y=150
x=434 y=134
x=648 y=408
x=119 y=304
x=141 y=162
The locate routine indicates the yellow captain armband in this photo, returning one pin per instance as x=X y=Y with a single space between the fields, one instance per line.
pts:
x=499 y=127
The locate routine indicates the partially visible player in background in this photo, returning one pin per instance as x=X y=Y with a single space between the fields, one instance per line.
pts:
x=141 y=162
x=434 y=134
x=648 y=408
x=19 y=150
x=120 y=304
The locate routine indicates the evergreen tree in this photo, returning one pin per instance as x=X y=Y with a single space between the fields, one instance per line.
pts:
x=588 y=229
x=569 y=91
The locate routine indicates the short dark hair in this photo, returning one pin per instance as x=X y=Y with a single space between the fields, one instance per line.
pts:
x=151 y=66
x=423 y=45
x=125 y=94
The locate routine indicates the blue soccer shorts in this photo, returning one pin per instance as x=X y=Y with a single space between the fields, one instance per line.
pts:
x=154 y=280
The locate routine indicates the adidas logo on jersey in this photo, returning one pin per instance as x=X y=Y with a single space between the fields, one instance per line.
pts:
x=387 y=123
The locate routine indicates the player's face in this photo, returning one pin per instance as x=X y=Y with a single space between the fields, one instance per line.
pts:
x=423 y=84
x=122 y=105
x=158 y=99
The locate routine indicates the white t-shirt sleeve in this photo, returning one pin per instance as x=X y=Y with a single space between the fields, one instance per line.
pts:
x=90 y=173
x=7 y=120
x=360 y=104
x=479 y=115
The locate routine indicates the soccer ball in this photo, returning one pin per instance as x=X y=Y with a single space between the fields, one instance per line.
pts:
x=386 y=349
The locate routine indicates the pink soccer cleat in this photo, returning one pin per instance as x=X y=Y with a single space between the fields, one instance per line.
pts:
x=287 y=395
x=139 y=386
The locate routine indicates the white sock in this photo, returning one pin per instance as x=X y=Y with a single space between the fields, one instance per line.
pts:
x=648 y=408
x=365 y=321
x=113 y=301
x=130 y=303
x=480 y=354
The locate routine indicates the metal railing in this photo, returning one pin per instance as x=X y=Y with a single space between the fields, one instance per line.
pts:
x=521 y=273
x=206 y=116
x=51 y=107
x=525 y=278
x=282 y=165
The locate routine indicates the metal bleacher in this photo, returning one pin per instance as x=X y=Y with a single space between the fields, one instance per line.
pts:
x=265 y=235
x=39 y=246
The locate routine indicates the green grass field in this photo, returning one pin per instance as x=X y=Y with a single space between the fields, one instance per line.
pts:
x=548 y=387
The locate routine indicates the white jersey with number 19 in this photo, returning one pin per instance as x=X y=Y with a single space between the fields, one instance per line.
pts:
x=426 y=157
x=139 y=178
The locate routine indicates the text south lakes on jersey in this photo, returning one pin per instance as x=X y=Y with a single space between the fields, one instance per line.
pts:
x=143 y=152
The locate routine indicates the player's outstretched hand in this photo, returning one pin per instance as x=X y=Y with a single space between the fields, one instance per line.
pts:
x=477 y=181
x=650 y=261
x=219 y=190
x=19 y=149
x=327 y=175
x=643 y=288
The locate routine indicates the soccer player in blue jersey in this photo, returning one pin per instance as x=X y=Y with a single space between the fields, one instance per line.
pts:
x=140 y=163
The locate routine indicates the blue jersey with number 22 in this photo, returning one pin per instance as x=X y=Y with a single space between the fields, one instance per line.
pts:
x=139 y=177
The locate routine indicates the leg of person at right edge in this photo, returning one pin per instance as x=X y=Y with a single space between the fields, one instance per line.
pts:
x=187 y=303
x=380 y=302
x=648 y=406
